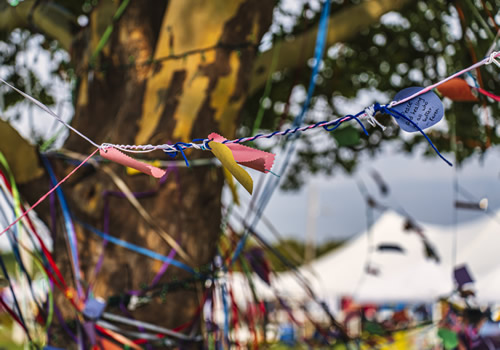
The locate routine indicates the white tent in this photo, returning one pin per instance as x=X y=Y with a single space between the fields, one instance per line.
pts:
x=403 y=273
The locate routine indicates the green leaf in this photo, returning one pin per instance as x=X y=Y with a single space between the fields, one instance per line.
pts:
x=347 y=136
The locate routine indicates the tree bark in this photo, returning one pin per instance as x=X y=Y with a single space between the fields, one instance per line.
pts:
x=161 y=103
x=172 y=100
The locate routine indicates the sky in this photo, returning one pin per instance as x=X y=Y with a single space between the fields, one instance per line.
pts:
x=422 y=186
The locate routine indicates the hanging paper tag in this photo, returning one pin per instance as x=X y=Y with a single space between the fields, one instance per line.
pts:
x=223 y=153
x=94 y=308
x=247 y=156
x=424 y=110
x=462 y=276
x=457 y=90
x=116 y=156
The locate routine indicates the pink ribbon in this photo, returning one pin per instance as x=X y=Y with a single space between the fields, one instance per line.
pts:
x=116 y=156
x=247 y=156
x=489 y=94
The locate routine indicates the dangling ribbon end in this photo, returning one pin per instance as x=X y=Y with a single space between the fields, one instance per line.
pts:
x=397 y=114
x=181 y=150
x=272 y=172
x=447 y=161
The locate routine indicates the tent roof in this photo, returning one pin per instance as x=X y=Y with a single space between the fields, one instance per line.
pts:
x=406 y=275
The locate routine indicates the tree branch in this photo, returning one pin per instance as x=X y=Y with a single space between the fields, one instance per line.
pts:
x=343 y=26
x=48 y=18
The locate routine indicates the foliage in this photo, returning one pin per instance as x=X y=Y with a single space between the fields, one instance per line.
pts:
x=426 y=42
x=421 y=45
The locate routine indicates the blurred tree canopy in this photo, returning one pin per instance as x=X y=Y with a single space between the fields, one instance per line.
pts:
x=421 y=44
x=418 y=46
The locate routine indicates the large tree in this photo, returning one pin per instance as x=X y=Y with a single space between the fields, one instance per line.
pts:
x=157 y=71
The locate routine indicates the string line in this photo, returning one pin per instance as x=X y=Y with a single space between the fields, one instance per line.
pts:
x=179 y=146
x=47 y=194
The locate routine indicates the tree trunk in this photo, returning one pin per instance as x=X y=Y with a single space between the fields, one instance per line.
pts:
x=172 y=100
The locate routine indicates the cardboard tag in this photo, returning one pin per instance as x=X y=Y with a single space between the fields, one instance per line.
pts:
x=457 y=90
x=462 y=276
x=94 y=308
x=425 y=110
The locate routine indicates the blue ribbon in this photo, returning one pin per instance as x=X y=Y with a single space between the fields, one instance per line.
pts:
x=273 y=182
x=141 y=250
x=394 y=113
x=70 y=229
x=226 y=313
x=179 y=146
x=318 y=54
